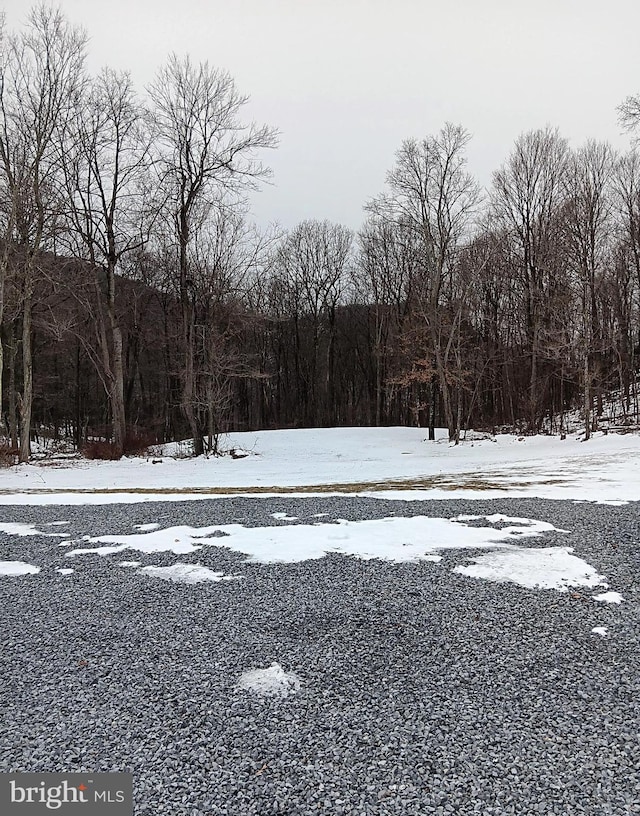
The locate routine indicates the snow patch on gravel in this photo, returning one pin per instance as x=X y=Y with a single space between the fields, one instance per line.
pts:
x=20 y=529
x=514 y=527
x=17 y=568
x=609 y=597
x=391 y=539
x=188 y=574
x=536 y=568
x=600 y=630
x=178 y=540
x=65 y=570
x=271 y=682
x=394 y=538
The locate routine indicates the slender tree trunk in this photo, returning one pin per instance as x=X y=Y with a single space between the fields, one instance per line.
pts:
x=458 y=414
x=188 y=386
x=533 y=384
x=188 y=339
x=4 y=265
x=2 y=422
x=378 y=366
x=116 y=384
x=77 y=430
x=432 y=412
x=445 y=392
x=587 y=325
x=13 y=414
x=117 y=390
x=587 y=396
x=26 y=398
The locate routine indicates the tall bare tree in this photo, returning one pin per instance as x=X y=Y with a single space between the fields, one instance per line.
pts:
x=106 y=169
x=527 y=196
x=8 y=205
x=228 y=257
x=204 y=153
x=313 y=263
x=590 y=227
x=387 y=263
x=42 y=81
x=431 y=192
x=627 y=202
x=626 y=199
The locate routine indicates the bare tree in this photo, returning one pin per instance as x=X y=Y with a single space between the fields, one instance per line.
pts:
x=627 y=202
x=431 y=192
x=589 y=227
x=528 y=193
x=384 y=274
x=228 y=256
x=629 y=113
x=41 y=83
x=106 y=168
x=204 y=151
x=8 y=212
x=626 y=198
x=313 y=263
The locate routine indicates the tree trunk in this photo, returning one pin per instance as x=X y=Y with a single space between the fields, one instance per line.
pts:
x=188 y=327
x=445 y=395
x=13 y=414
x=117 y=390
x=188 y=386
x=432 y=413
x=458 y=416
x=26 y=398
x=2 y=422
x=587 y=397
x=533 y=384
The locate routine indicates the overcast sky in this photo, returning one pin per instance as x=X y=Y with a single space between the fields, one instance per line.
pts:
x=345 y=81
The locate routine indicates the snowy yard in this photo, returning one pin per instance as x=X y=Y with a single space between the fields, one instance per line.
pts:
x=395 y=462
x=352 y=621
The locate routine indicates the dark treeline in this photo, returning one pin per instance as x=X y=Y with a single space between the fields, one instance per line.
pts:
x=135 y=296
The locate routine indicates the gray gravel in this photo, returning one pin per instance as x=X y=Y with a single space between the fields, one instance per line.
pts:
x=423 y=691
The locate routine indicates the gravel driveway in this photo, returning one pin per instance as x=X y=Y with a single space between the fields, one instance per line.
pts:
x=421 y=691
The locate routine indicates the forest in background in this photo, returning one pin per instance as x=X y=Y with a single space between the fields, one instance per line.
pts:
x=138 y=302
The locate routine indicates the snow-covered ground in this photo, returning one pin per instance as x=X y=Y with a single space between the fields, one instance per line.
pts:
x=393 y=462
x=334 y=620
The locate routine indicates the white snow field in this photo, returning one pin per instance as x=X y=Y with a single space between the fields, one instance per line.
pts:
x=394 y=463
